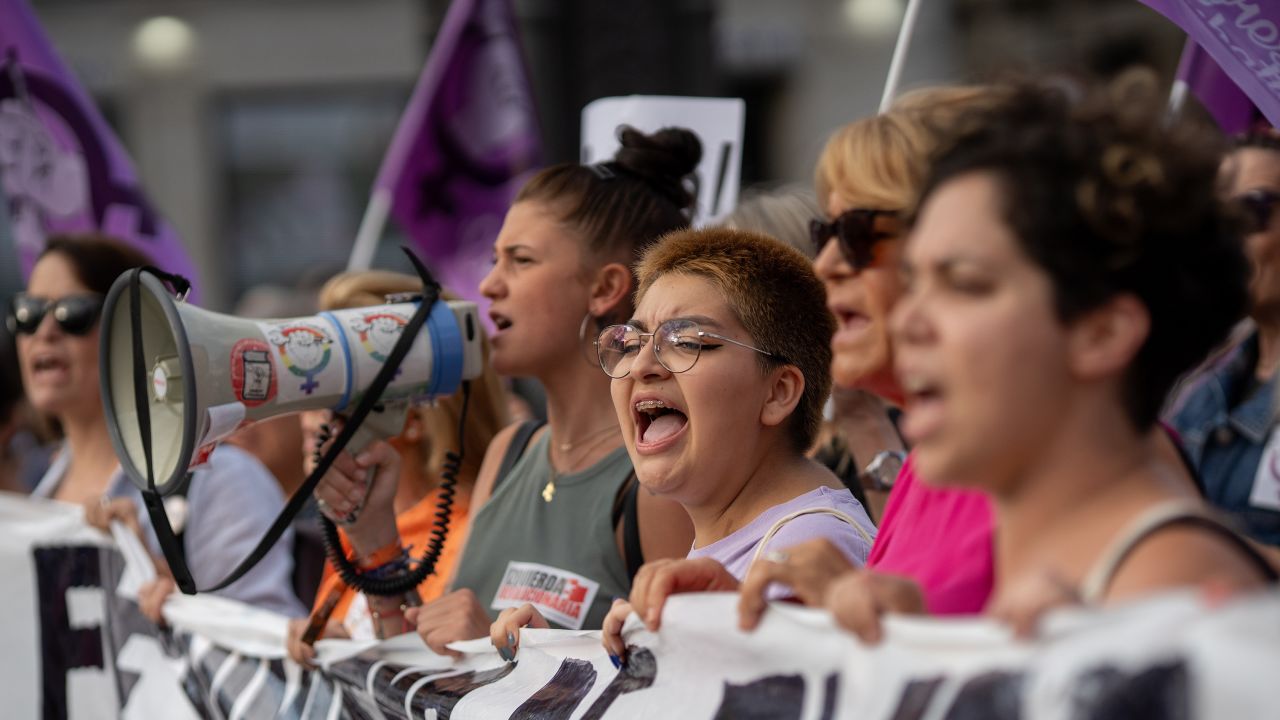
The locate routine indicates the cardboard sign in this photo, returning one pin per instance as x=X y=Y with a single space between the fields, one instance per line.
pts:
x=717 y=122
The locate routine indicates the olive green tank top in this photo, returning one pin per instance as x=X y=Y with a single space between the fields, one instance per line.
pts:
x=560 y=556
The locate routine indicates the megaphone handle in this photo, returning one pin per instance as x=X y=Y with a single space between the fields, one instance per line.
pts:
x=363 y=437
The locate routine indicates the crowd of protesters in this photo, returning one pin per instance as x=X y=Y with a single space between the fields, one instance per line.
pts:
x=1023 y=357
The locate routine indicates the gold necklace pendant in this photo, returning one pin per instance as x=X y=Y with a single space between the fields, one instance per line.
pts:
x=549 y=492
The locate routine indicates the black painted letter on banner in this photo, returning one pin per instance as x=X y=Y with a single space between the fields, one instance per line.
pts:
x=559 y=697
x=641 y=669
x=62 y=649
x=776 y=696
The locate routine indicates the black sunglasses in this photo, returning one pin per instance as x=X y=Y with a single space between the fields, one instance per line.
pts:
x=75 y=314
x=1259 y=206
x=856 y=232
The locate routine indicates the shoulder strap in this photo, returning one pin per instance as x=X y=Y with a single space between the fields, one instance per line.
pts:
x=182 y=490
x=1173 y=512
x=808 y=511
x=626 y=509
x=519 y=443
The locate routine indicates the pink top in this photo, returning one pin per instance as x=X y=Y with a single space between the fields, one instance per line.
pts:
x=942 y=539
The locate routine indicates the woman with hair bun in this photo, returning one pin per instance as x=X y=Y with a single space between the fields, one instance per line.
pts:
x=557 y=520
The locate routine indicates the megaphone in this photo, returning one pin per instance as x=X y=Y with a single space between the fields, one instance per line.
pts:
x=211 y=374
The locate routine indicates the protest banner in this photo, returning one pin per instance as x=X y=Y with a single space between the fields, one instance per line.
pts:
x=62 y=169
x=76 y=649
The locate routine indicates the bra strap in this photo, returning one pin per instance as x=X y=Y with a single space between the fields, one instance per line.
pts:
x=807 y=511
x=1170 y=512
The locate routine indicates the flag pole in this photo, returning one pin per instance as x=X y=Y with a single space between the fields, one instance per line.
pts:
x=370 y=232
x=900 y=53
x=1178 y=91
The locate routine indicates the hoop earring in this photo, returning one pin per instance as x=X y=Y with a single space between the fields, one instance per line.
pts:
x=584 y=344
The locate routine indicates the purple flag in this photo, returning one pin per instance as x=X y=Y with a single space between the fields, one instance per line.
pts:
x=61 y=167
x=1242 y=37
x=1233 y=110
x=466 y=143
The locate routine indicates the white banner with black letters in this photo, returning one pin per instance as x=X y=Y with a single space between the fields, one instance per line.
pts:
x=74 y=648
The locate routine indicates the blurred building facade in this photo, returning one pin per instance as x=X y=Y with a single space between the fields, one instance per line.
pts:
x=257 y=126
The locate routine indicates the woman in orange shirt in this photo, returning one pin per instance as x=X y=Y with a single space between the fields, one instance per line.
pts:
x=430 y=432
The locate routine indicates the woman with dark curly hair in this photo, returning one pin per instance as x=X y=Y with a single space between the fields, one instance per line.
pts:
x=1068 y=262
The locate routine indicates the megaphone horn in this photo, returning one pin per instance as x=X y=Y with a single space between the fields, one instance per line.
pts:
x=209 y=374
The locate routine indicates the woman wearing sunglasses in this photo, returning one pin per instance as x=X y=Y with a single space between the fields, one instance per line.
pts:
x=934 y=550
x=1225 y=415
x=230 y=502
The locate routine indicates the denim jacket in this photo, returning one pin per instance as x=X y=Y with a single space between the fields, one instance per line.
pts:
x=1225 y=443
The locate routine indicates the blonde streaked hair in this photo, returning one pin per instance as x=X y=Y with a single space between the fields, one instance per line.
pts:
x=881 y=161
x=771 y=288
x=487 y=413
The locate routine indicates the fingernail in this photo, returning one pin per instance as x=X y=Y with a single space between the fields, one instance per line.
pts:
x=506 y=654
x=617 y=661
x=511 y=640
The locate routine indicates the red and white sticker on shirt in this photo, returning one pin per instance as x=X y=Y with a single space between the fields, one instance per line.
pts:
x=1266 y=481
x=561 y=596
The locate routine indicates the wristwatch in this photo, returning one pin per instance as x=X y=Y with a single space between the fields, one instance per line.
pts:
x=883 y=470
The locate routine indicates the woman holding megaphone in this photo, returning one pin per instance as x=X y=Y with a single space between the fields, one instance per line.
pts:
x=403 y=512
x=557 y=520
x=231 y=500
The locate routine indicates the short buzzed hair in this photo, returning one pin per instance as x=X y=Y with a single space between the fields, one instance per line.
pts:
x=773 y=292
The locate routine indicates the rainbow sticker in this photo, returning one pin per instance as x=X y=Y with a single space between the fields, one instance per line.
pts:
x=378 y=332
x=304 y=349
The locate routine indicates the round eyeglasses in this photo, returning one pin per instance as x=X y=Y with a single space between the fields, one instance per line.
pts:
x=676 y=343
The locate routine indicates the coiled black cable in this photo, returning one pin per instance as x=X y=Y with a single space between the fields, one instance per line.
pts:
x=439 y=529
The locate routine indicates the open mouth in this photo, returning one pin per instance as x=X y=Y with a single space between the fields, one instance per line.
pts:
x=924 y=406
x=46 y=363
x=919 y=390
x=501 y=322
x=656 y=421
x=849 y=319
